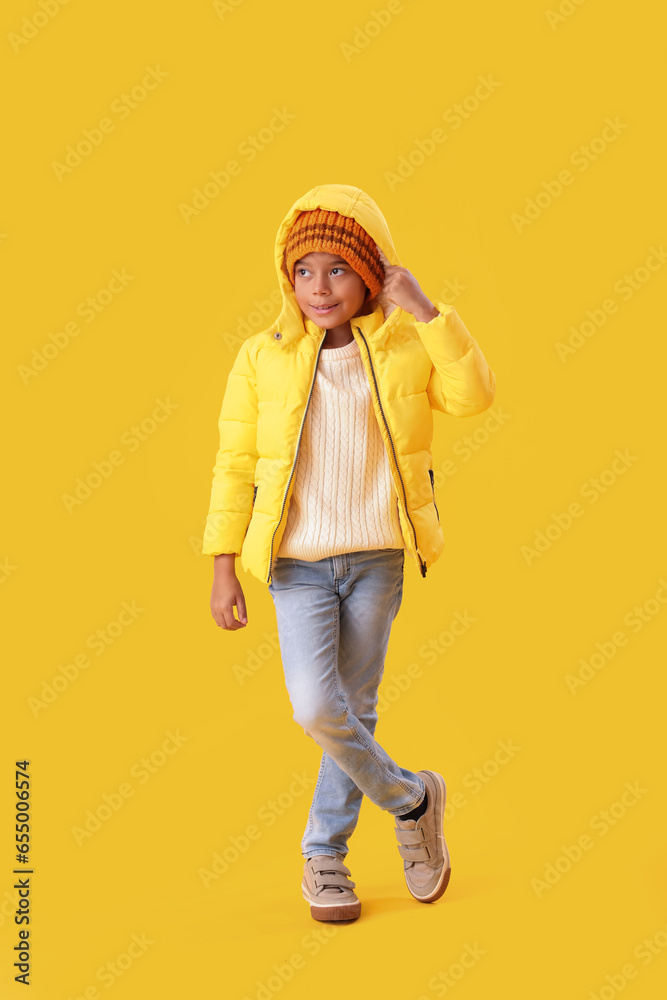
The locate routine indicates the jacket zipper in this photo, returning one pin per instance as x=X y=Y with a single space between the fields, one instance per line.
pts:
x=430 y=472
x=319 y=350
x=405 y=499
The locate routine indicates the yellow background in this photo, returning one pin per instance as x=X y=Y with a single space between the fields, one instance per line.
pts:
x=172 y=334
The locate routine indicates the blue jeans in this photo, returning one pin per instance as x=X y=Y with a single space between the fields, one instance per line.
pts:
x=334 y=619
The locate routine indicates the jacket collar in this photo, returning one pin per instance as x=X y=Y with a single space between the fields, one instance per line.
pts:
x=374 y=326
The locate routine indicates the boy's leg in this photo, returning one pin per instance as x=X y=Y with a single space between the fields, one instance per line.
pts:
x=334 y=619
x=333 y=812
x=362 y=615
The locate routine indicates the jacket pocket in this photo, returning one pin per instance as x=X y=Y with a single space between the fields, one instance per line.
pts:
x=430 y=472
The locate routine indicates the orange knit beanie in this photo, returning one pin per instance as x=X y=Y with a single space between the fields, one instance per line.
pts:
x=330 y=232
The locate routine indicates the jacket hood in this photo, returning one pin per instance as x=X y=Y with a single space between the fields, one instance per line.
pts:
x=347 y=200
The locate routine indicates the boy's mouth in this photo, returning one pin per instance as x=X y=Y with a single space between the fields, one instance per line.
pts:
x=325 y=309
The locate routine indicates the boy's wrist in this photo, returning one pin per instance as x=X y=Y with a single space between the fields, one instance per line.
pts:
x=426 y=313
x=225 y=562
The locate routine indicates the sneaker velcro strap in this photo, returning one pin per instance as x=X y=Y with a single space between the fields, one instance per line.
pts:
x=410 y=836
x=415 y=853
x=327 y=881
x=412 y=844
x=329 y=864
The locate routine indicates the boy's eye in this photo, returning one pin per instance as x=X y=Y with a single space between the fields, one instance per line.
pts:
x=300 y=270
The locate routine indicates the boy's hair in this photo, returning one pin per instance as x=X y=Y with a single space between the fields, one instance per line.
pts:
x=329 y=232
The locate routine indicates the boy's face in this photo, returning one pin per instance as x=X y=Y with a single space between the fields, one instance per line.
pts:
x=327 y=280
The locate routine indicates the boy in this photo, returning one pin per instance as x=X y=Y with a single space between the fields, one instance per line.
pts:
x=323 y=480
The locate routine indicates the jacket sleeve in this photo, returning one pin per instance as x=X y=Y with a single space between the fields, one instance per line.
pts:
x=232 y=492
x=461 y=383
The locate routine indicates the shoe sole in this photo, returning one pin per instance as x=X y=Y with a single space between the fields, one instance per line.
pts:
x=445 y=875
x=332 y=911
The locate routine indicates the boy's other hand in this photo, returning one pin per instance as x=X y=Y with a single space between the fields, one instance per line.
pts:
x=402 y=289
x=226 y=593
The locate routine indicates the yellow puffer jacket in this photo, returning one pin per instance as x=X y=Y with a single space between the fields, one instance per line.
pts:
x=412 y=367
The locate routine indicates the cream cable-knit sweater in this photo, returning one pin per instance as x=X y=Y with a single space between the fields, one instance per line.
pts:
x=343 y=497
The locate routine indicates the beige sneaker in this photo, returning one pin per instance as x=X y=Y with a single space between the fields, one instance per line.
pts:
x=328 y=889
x=422 y=844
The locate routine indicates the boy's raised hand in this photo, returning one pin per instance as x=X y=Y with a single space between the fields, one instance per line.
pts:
x=225 y=594
x=402 y=289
